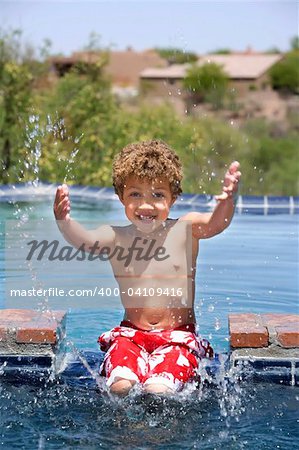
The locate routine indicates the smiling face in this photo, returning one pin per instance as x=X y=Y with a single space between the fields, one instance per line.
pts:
x=147 y=203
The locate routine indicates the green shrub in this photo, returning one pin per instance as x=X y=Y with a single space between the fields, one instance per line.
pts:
x=206 y=83
x=176 y=55
x=285 y=74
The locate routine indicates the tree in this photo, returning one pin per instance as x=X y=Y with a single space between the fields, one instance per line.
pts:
x=15 y=90
x=207 y=83
x=295 y=43
x=285 y=74
x=221 y=51
x=94 y=42
x=81 y=104
x=176 y=55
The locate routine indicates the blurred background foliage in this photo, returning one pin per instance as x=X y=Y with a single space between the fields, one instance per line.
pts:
x=72 y=129
x=176 y=55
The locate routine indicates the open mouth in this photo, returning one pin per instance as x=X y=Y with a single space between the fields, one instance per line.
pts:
x=146 y=218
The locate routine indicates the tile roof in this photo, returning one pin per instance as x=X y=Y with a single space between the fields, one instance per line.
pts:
x=244 y=65
x=122 y=66
x=237 y=66
x=173 y=71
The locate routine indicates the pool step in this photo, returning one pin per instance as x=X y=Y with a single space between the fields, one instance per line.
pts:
x=31 y=341
x=266 y=346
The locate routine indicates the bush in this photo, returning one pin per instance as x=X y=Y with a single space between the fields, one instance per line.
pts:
x=15 y=100
x=206 y=83
x=176 y=55
x=285 y=74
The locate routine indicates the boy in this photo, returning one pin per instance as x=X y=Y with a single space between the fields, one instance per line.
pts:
x=154 y=262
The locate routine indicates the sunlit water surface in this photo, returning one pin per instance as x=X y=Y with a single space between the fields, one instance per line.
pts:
x=251 y=267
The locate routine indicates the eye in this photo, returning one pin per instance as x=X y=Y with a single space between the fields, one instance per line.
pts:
x=158 y=195
x=134 y=194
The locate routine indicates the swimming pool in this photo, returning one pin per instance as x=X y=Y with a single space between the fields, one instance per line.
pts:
x=252 y=267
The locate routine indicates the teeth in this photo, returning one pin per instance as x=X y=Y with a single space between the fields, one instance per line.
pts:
x=142 y=217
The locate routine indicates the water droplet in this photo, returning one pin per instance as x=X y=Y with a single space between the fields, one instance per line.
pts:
x=217 y=324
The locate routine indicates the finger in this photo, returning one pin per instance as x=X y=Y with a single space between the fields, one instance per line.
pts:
x=234 y=167
x=238 y=175
x=65 y=189
x=234 y=179
x=62 y=207
x=222 y=196
x=63 y=196
x=64 y=202
x=229 y=179
x=229 y=190
x=58 y=193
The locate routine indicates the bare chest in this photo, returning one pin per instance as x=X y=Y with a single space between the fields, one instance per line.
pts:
x=164 y=252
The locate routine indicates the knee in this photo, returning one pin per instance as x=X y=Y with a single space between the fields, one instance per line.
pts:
x=157 y=388
x=121 y=387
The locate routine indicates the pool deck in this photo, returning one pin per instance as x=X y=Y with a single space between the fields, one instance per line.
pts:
x=268 y=344
x=264 y=347
x=31 y=339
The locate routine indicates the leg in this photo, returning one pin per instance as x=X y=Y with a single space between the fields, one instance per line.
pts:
x=123 y=365
x=121 y=387
x=157 y=388
x=170 y=368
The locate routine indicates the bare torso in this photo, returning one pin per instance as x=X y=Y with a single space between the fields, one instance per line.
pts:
x=156 y=278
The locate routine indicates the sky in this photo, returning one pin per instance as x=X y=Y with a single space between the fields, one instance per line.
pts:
x=198 y=26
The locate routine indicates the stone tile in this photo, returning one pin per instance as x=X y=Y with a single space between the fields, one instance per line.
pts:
x=288 y=335
x=3 y=333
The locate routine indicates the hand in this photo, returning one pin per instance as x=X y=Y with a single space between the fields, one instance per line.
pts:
x=62 y=205
x=230 y=183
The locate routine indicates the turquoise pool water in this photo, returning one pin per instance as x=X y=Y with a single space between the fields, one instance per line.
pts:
x=251 y=267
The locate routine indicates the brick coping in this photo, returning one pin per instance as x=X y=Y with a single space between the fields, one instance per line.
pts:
x=30 y=327
x=249 y=330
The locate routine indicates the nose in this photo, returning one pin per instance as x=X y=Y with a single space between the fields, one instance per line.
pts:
x=146 y=202
x=146 y=205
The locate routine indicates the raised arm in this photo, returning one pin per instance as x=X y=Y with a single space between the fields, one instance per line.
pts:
x=206 y=225
x=75 y=233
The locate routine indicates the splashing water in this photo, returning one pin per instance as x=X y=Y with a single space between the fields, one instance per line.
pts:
x=33 y=146
x=35 y=132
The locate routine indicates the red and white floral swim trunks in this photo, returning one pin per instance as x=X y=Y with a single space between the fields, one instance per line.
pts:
x=169 y=357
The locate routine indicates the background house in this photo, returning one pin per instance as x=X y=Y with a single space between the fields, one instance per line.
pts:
x=147 y=72
x=246 y=71
x=123 y=67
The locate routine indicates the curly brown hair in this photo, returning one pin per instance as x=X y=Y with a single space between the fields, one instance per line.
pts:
x=147 y=160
